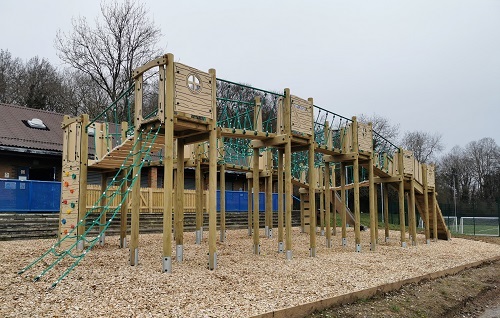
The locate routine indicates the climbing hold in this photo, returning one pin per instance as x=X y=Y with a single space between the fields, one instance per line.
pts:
x=67 y=173
x=65 y=202
x=63 y=221
x=68 y=211
x=73 y=176
x=66 y=184
x=72 y=226
x=65 y=231
x=72 y=205
x=72 y=190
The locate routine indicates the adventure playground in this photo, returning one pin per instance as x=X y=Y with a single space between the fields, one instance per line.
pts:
x=179 y=118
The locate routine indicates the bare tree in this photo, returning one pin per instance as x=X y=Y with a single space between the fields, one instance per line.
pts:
x=10 y=69
x=123 y=38
x=381 y=125
x=82 y=95
x=485 y=157
x=424 y=145
x=39 y=85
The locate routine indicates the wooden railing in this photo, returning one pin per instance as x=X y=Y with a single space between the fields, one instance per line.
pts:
x=151 y=199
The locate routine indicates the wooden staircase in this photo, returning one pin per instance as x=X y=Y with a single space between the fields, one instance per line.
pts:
x=442 y=229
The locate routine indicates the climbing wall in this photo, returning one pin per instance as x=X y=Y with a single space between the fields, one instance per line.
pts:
x=73 y=178
x=70 y=191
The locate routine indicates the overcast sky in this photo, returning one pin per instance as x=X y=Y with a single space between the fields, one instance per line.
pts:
x=431 y=65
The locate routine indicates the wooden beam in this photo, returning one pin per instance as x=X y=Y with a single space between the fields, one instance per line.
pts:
x=371 y=198
x=280 y=201
x=394 y=179
x=401 y=198
x=287 y=129
x=271 y=142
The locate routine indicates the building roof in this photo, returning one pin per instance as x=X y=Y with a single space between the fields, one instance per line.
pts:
x=17 y=135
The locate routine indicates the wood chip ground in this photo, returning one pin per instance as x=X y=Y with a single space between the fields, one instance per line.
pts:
x=104 y=285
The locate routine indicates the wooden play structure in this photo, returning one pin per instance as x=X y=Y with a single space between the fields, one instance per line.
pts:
x=210 y=125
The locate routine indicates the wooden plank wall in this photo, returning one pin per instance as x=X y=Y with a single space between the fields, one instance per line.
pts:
x=301 y=115
x=365 y=137
x=194 y=102
x=408 y=162
x=431 y=177
x=151 y=199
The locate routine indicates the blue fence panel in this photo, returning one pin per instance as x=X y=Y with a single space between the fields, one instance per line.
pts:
x=29 y=196
x=237 y=201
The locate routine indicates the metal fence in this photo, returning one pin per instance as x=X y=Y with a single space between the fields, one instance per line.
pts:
x=29 y=196
x=44 y=196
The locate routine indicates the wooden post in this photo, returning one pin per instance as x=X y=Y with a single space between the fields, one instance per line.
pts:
x=179 y=202
x=386 y=211
x=280 y=201
x=411 y=205
x=312 y=193
x=168 y=164
x=321 y=183
x=327 y=205
x=136 y=172
x=83 y=158
x=434 y=215
x=269 y=194
x=287 y=129
x=250 y=206
x=401 y=197
x=199 y=197
x=124 y=205
x=373 y=211
x=375 y=197
x=357 y=222
x=103 y=203
x=255 y=178
x=426 y=205
x=343 y=211
x=222 y=197
x=212 y=182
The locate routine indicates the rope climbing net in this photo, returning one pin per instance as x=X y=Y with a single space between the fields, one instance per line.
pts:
x=120 y=186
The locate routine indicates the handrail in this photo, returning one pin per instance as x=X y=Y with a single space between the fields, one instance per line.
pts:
x=112 y=104
x=250 y=87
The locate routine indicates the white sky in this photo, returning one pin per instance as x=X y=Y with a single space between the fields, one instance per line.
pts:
x=431 y=65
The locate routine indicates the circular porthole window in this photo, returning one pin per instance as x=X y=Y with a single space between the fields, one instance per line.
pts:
x=194 y=83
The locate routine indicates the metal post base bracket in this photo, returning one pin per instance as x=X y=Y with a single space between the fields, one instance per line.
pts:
x=102 y=239
x=329 y=243
x=358 y=248
x=212 y=261
x=167 y=264
x=79 y=245
x=281 y=248
x=223 y=236
x=387 y=239
x=179 y=253
x=134 y=257
x=256 y=249
x=344 y=241
x=312 y=252
x=270 y=233
x=428 y=241
x=198 y=237
x=123 y=243
x=289 y=255
x=322 y=233
x=250 y=232
x=372 y=247
x=403 y=244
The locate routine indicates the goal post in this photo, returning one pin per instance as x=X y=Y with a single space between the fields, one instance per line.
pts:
x=485 y=226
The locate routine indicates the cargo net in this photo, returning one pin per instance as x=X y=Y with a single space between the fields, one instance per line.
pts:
x=67 y=252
